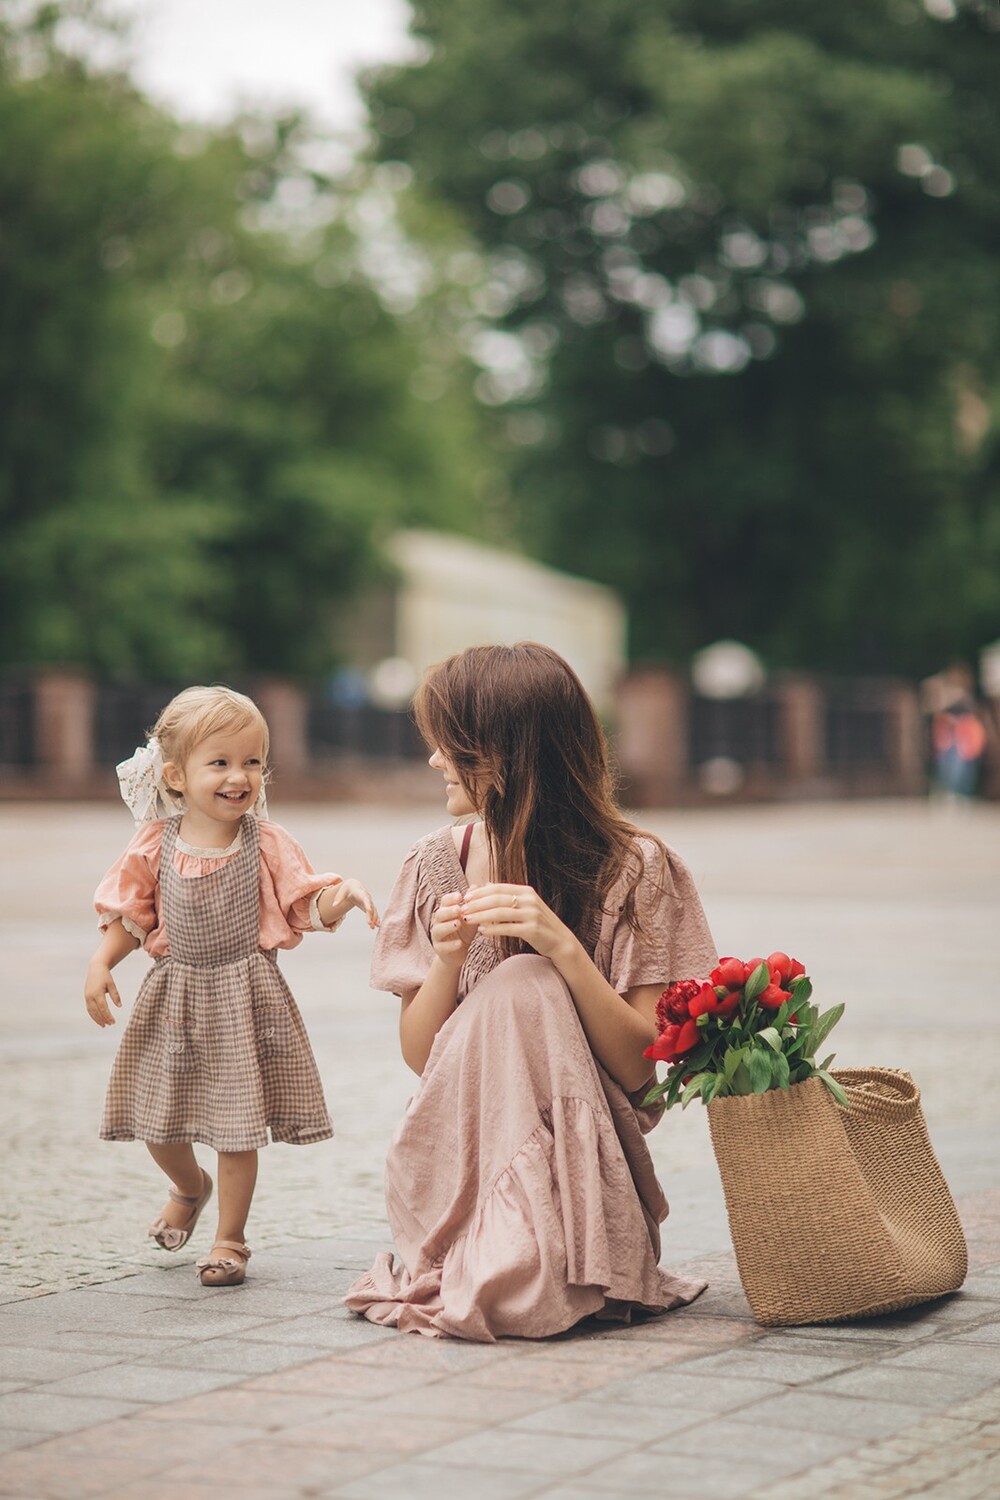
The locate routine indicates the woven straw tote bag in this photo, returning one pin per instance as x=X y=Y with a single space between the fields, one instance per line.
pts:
x=836 y=1213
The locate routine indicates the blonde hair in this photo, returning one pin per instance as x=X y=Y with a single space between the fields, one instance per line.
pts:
x=199 y=712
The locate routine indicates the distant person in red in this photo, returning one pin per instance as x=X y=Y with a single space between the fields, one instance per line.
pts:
x=958 y=733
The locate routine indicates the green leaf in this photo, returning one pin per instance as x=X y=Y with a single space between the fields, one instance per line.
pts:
x=655 y=1094
x=801 y=988
x=759 y=1067
x=731 y=1062
x=674 y=1087
x=834 y=1087
x=825 y=1024
x=821 y=1067
x=693 y=1088
x=741 y=1082
x=780 y=1071
x=718 y=1084
x=758 y=981
x=772 y=1037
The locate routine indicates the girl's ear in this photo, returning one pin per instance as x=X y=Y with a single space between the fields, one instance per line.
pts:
x=173 y=776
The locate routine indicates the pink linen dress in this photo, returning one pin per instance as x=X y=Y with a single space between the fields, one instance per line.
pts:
x=215 y=1049
x=519 y=1188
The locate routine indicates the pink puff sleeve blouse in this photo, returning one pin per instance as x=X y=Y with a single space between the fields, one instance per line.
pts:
x=289 y=886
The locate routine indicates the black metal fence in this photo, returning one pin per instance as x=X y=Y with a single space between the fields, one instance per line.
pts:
x=335 y=729
x=855 y=734
x=123 y=713
x=17 y=729
x=745 y=730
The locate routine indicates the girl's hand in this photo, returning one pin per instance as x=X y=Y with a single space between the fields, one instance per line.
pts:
x=451 y=935
x=518 y=911
x=360 y=896
x=347 y=894
x=98 y=988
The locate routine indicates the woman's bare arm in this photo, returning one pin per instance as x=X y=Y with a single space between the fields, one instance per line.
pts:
x=425 y=1010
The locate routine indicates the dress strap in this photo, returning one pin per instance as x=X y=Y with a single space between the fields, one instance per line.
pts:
x=463 y=857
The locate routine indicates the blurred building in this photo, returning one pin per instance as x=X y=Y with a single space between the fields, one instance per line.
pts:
x=450 y=592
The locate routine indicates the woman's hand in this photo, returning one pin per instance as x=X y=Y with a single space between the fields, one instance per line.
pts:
x=98 y=988
x=518 y=911
x=450 y=933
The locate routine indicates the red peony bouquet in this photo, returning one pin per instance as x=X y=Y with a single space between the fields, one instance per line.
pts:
x=747 y=1028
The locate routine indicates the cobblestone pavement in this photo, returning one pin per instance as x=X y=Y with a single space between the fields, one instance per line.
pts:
x=279 y=1392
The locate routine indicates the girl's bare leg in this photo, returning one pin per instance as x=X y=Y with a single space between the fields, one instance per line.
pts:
x=180 y=1165
x=237 y=1180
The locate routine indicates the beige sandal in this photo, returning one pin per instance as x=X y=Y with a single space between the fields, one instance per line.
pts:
x=224 y=1270
x=168 y=1236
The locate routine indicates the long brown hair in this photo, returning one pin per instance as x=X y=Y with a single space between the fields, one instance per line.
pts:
x=529 y=747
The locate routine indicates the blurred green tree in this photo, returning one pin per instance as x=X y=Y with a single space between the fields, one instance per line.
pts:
x=208 y=413
x=743 y=343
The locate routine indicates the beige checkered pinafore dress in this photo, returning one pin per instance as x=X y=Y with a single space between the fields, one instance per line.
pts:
x=215 y=1050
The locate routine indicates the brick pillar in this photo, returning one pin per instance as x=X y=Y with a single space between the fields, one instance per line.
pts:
x=907 y=761
x=800 y=707
x=652 y=738
x=64 y=724
x=285 y=707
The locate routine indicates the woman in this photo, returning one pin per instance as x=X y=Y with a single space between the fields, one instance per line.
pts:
x=528 y=949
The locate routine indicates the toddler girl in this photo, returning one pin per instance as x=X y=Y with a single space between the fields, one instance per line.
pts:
x=215 y=1050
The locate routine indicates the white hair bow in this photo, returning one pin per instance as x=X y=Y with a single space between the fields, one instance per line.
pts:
x=140 y=781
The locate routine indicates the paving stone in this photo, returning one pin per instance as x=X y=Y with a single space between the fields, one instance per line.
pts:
x=689 y=1392
x=985 y=1333
x=330 y=1376
x=48 y=1364
x=48 y=1414
x=679 y=1328
x=420 y=1480
x=266 y=1410
x=878 y=1331
x=772 y=1451
x=822 y=1410
x=510 y=1447
x=16 y=1437
x=761 y=1362
x=142 y=1382
x=617 y=1356
x=916 y=1387
x=354 y=1427
x=87 y=1463
x=431 y=1356
x=676 y=1474
x=114 y=1347
x=590 y=1415
x=266 y=1463
x=553 y=1377
x=845 y=1352
x=483 y=1404
x=165 y=1489
x=238 y=1356
x=981 y=1359
x=342 y=1330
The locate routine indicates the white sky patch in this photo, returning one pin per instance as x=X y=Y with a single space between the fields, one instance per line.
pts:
x=204 y=59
